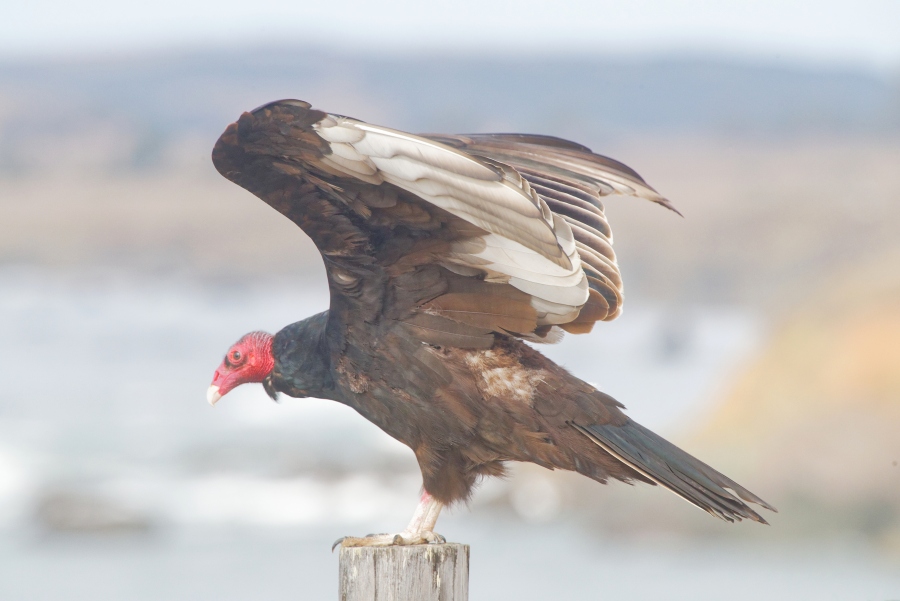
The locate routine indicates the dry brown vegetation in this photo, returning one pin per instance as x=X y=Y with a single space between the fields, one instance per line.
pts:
x=816 y=418
x=765 y=222
x=178 y=219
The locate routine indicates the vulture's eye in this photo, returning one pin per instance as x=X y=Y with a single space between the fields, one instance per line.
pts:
x=235 y=357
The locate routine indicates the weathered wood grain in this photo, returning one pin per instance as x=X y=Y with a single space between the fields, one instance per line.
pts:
x=413 y=573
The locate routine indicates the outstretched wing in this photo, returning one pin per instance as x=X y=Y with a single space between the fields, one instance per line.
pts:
x=454 y=240
x=572 y=180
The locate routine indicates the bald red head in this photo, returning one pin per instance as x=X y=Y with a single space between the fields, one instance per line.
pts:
x=248 y=360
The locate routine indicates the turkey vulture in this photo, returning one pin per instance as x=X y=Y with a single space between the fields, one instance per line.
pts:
x=444 y=255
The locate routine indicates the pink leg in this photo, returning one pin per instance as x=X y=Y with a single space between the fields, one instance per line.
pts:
x=426 y=514
x=419 y=531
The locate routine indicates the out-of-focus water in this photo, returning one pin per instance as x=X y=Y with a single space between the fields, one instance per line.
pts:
x=118 y=481
x=509 y=561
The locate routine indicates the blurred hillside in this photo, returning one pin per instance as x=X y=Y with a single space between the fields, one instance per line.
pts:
x=137 y=110
x=814 y=421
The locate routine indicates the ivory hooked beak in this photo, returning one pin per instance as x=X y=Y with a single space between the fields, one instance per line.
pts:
x=212 y=395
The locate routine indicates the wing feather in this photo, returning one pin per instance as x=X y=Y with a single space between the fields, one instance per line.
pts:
x=572 y=180
x=456 y=182
x=476 y=234
x=526 y=245
x=485 y=311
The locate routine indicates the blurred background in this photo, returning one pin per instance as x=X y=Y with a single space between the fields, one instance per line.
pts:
x=761 y=332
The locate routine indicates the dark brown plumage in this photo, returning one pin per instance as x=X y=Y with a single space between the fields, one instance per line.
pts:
x=444 y=253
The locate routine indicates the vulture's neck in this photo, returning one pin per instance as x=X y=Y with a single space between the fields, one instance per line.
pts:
x=302 y=360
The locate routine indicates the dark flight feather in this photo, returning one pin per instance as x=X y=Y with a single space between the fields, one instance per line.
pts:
x=669 y=466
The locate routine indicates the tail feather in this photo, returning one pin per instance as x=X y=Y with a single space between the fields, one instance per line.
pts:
x=669 y=466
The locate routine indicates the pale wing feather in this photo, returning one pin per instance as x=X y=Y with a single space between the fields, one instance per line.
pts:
x=442 y=175
x=609 y=180
x=528 y=246
x=571 y=180
x=388 y=143
x=515 y=255
x=327 y=131
x=574 y=296
x=348 y=152
x=548 y=309
x=366 y=167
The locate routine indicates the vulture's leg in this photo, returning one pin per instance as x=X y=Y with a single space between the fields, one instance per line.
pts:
x=425 y=517
x=419 y=531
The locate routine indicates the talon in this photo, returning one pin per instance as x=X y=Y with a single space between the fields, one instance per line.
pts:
x=433 y=538
x=398 y=540
x=336 y=543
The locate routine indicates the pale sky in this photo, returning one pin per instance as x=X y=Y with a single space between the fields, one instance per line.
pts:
x=860 y=32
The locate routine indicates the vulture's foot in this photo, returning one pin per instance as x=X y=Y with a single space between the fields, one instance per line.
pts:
x=420 y=530
x=425 y=537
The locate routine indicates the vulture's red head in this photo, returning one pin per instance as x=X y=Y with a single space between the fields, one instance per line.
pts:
x=248 y=360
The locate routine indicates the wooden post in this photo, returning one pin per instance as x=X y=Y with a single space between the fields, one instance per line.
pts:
x=411 y=573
